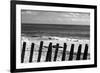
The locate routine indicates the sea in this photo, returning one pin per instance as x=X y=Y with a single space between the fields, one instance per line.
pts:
x=59 y=30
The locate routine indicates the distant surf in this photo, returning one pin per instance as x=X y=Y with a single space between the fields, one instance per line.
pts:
x=71 y=31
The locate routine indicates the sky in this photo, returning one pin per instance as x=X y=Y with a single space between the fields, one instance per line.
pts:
x=53 y=17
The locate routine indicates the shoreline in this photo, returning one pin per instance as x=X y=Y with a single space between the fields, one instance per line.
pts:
x=42 y=38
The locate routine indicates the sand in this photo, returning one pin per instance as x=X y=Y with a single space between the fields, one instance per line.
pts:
x=46 y=40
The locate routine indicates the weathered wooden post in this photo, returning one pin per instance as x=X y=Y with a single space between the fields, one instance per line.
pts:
x=71 y=52
x=23 y=52
x=78 y=56
x=49 y=53
x=56 y=52
x=31 y=52
x=64 y=52
x=40 y=51
x=85 y=52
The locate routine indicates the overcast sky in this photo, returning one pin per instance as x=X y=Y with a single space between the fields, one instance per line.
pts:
x=51 y=17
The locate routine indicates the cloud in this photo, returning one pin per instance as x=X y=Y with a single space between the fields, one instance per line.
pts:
x=51 y=17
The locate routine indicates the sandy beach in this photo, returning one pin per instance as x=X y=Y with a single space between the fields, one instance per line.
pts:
x=46 y=40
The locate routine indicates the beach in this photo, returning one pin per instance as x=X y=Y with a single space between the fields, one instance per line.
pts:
x=69 y=34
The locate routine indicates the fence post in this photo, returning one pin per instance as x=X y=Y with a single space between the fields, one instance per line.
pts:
x=31 y=52
x=23 y=52
x=71 y=52
x=78 y=56
x=56 y=52
x=85 y=52
x=64 y=52
x=40 y=51
x=49 y=53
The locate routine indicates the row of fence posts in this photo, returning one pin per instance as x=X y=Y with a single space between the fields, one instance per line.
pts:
x=49 y=52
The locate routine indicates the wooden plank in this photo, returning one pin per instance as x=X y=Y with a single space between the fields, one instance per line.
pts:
x=64 y=52
x=78 y=56
x=85 y=52
x=49 y=53
x=40 y=51
x=23 y=52
x=31 y=52
x=56 y=52
x=71 y=52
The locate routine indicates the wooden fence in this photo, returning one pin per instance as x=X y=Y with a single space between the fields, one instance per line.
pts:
x=48 y=56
